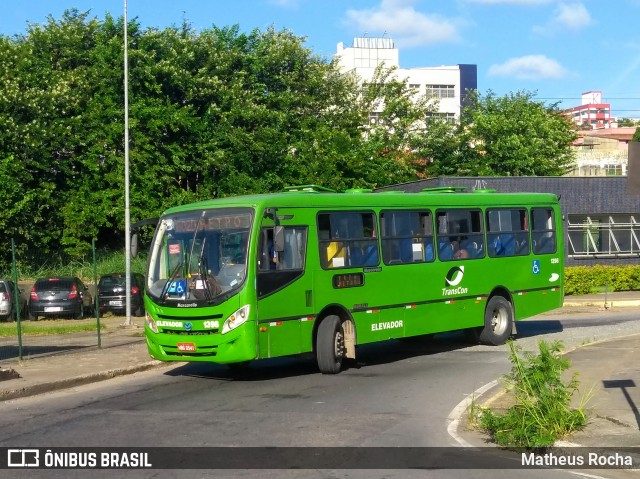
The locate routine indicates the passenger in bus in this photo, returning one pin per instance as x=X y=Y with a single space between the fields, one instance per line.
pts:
x=461 y=254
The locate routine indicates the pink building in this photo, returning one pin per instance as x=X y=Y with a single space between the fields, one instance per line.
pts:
x=593 y=112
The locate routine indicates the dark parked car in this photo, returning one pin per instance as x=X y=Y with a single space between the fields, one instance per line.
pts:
x=112 y=293
x=64 y=296
x=8 y=301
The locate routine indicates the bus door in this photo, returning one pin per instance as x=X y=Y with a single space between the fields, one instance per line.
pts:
x=285 y=309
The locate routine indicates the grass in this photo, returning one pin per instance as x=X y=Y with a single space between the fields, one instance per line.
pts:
x=542 y=412
x=47 y=327
x=106 y=263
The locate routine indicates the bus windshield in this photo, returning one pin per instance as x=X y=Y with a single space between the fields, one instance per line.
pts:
x=199 y=256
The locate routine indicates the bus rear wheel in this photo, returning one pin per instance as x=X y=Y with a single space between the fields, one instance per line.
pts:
x=330 y=347
x=498 y=321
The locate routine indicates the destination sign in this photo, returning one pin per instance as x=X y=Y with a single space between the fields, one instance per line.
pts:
x=225 y=222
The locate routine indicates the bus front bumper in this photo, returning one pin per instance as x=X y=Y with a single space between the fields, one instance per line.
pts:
x=236 y=346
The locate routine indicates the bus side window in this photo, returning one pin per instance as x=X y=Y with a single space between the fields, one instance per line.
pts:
x=293 y=256
x=507 y=232
x=347 y=239
x=407 y=236
x=543 y=234
x=459 y=234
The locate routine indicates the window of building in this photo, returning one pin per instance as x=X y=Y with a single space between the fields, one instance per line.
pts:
x=407 y=237
x=375 y=118
x=445 y=116
x=613 y=170
x=603 y=235
x=441 y=91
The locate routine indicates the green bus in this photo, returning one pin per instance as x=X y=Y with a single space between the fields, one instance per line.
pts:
x=309 y=270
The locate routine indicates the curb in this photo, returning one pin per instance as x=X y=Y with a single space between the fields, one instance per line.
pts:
x=492 y=392
x=76 y=381
x=633 y=303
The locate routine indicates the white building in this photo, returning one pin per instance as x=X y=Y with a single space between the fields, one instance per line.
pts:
x=448 y=84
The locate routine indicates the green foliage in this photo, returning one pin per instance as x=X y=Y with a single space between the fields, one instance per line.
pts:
x=62 y=265
x=212 y=114
x=512 y=135
x=591 y=279
x=636 y=135
x=542 y=413
x=627 y=122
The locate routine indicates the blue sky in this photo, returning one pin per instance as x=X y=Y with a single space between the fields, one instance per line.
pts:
x=556 y=48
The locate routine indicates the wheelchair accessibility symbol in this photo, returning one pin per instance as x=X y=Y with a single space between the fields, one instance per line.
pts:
x=535 y=266
x=177 y=287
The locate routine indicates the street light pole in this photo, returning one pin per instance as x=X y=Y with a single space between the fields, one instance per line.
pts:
x=127 y=218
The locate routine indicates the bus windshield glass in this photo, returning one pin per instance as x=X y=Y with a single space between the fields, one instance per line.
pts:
x=199 y=256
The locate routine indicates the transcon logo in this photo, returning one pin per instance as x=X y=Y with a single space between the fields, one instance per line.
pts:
x=453 y=279
x=454 y=276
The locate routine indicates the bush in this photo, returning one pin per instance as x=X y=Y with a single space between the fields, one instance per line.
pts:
x=590 y=279
x=541 y=414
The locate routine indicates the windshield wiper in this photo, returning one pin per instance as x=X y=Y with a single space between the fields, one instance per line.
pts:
x=207 y=281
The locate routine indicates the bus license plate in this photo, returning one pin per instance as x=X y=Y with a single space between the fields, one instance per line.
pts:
x=186 y=347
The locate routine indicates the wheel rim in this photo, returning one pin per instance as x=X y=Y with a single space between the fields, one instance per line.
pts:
x=499 y=320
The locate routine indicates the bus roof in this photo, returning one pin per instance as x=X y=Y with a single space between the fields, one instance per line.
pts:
x=434 y=197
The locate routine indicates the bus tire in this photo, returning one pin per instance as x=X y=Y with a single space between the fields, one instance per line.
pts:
x=498 y=321
x=330 y=345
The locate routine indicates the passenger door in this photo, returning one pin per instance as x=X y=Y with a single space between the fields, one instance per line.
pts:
x=284 y=292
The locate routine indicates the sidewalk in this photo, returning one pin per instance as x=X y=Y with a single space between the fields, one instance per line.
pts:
x=612 y=367
x=123 y=351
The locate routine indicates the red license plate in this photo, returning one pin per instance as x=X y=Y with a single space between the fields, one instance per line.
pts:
x=186 y=347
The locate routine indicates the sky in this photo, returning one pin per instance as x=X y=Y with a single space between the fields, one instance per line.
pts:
x=557 y=49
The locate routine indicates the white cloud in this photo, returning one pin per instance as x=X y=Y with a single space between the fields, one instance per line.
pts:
x=572 y=15
x=530 y=67
x=286 y=3
x=408 y=27
x=567 y=16
x=512 y=2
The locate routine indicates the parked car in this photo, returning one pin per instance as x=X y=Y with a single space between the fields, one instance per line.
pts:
x=63 y=296
x=8 y=301
x=112 y=293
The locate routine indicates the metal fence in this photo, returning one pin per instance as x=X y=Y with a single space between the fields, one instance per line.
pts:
x=23 y=337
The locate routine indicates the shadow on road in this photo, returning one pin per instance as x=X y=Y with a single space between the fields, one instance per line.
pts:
x=384 y=352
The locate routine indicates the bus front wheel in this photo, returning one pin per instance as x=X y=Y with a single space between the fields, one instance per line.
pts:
x=498 y=321
x=330 y=347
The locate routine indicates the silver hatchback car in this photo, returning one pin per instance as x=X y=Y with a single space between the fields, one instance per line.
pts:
x=8 y=302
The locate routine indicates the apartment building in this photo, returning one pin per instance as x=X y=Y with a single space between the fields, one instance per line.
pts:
x=449 y=84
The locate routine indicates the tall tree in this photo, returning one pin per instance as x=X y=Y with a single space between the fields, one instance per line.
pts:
x=512 y=135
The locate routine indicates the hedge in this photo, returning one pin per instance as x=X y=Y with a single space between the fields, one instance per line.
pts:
x=593 y=279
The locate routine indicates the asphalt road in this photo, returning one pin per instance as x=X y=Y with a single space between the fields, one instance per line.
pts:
x=398 y=394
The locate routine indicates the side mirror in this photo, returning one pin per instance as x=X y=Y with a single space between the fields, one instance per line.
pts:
x=134 y=245
x=278 y=238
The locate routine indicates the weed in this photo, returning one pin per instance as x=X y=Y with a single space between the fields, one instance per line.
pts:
x=542 y=413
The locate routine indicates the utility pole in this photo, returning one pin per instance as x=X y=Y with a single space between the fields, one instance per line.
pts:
x=127 y=218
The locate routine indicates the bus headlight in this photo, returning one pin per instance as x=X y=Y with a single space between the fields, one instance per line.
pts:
x=236 y=319
x=151 y=323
